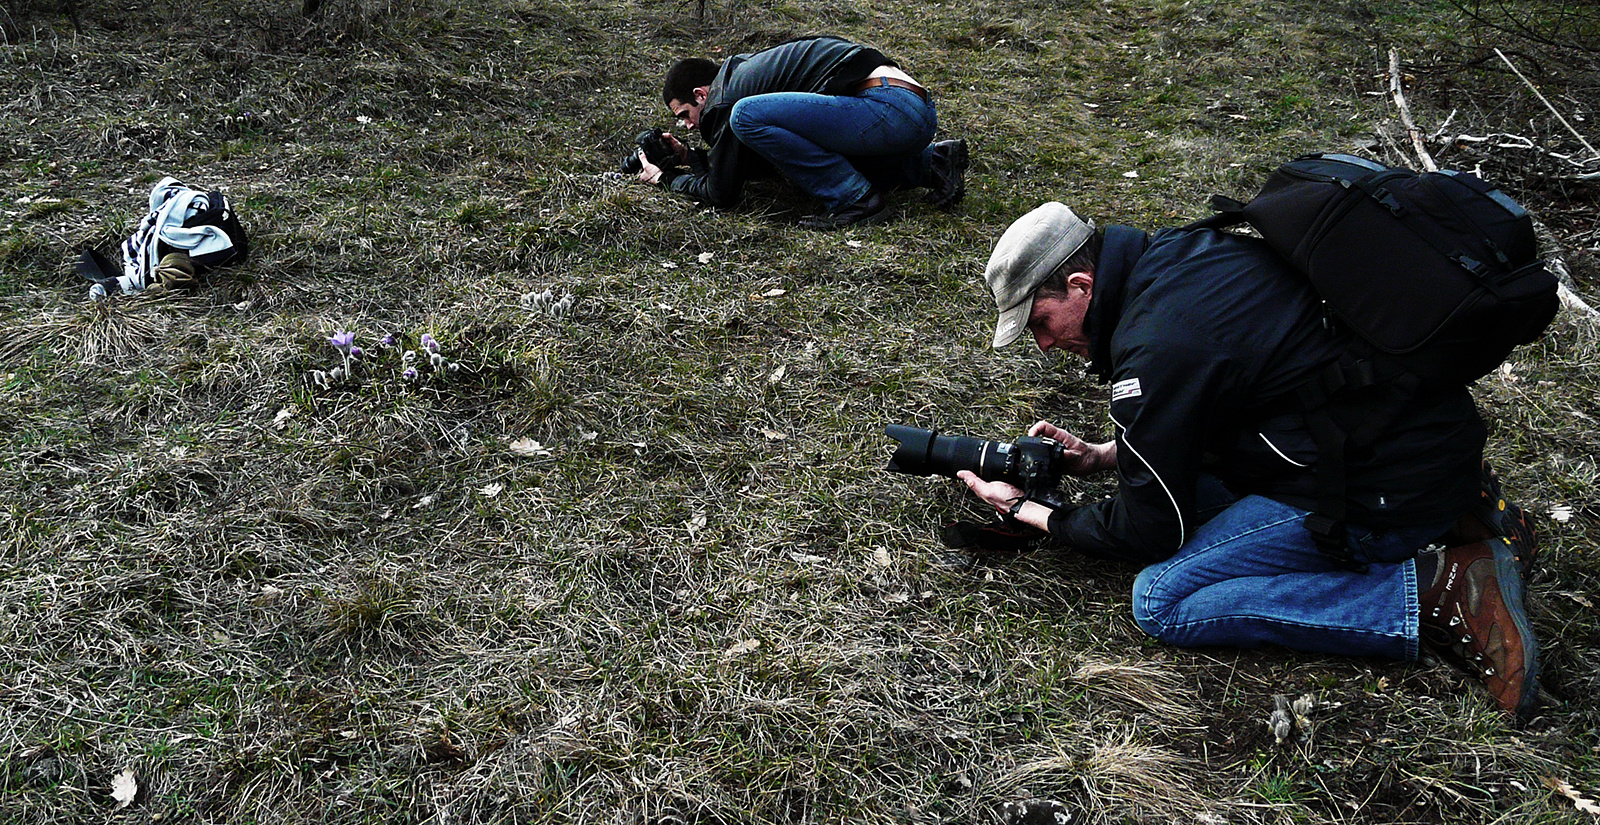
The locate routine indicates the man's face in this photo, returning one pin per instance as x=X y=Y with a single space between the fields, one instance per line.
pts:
x=687 y=113
x=1057 y=320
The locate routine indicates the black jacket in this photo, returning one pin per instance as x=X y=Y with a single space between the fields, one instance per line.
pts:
x=1198 y=332
x=820 y=65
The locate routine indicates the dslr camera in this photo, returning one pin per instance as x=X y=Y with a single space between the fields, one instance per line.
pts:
x=656 y=148
x=1034 y=464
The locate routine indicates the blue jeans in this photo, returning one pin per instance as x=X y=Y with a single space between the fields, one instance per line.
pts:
x=839 y=148
x=1253 y=575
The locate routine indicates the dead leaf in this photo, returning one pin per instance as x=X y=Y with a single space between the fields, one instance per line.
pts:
x=492 y=490
x=124 y=787
x=742 y=648
x=281 y=420
x=1561 y=513
x=806 y=558
x=668 y=265
x=1579 y=801
x=774 y=292
x=880 y=555
x=773 y=435
x=527 y=448
x=705 y=257
x=777 y=374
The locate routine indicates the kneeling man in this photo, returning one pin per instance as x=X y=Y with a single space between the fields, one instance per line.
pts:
x=838 y=119
x=1196 y=331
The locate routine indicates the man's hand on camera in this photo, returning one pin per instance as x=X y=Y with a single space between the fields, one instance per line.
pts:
x=1083 y=458
x=679 y=148
x=648 y=172
x=1005 y=496
x=654 y=175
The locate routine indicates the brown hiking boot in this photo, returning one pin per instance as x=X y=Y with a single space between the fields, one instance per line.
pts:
x=1474 y=614
x=1492 y=516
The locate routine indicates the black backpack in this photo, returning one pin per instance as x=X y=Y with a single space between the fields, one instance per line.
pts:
x=1437 y=275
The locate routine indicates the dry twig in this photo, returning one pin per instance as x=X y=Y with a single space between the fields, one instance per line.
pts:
x=1412 y=131
x=1553 y=111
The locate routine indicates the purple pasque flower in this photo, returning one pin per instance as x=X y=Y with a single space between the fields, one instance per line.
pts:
x=410 y=374
x=428 y=343
x=343 y=341
x=387 y=340
x=357 y=352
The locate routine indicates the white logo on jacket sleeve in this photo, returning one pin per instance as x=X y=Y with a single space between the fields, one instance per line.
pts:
x=1126 y=389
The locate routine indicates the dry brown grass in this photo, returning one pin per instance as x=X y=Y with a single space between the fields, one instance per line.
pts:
x=283 y=601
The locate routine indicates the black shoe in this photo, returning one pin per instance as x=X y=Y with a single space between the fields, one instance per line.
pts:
x=865 y=212
x=948 y=173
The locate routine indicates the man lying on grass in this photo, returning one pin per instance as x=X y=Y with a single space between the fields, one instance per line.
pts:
x=1195 y=329
x=838 y=119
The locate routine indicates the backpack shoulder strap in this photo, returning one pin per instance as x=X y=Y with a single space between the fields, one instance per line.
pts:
x=1375 y=380
x=1226 y=212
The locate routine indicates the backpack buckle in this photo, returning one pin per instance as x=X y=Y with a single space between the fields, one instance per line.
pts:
x=1389 y=202
x=1330 y=534
x=1326 y=528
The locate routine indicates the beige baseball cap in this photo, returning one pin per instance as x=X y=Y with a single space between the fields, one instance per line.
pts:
x=1029 y=251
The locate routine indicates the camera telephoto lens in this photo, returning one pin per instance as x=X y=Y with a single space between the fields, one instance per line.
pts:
x=925 y=452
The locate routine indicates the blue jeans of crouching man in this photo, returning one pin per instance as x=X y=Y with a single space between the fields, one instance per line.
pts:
x=1253 y=575
x=839 y=148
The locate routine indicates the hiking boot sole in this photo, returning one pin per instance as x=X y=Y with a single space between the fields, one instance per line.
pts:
x=1513 y=593
x=952 y=194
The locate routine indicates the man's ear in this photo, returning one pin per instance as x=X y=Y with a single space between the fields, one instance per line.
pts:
x=700 y=95
x=1082 y=280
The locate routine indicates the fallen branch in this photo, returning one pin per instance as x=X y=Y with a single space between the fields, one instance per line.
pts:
x=1540 y=95
x=1505 y=140
x=1405 y=113
x=1556 y=262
